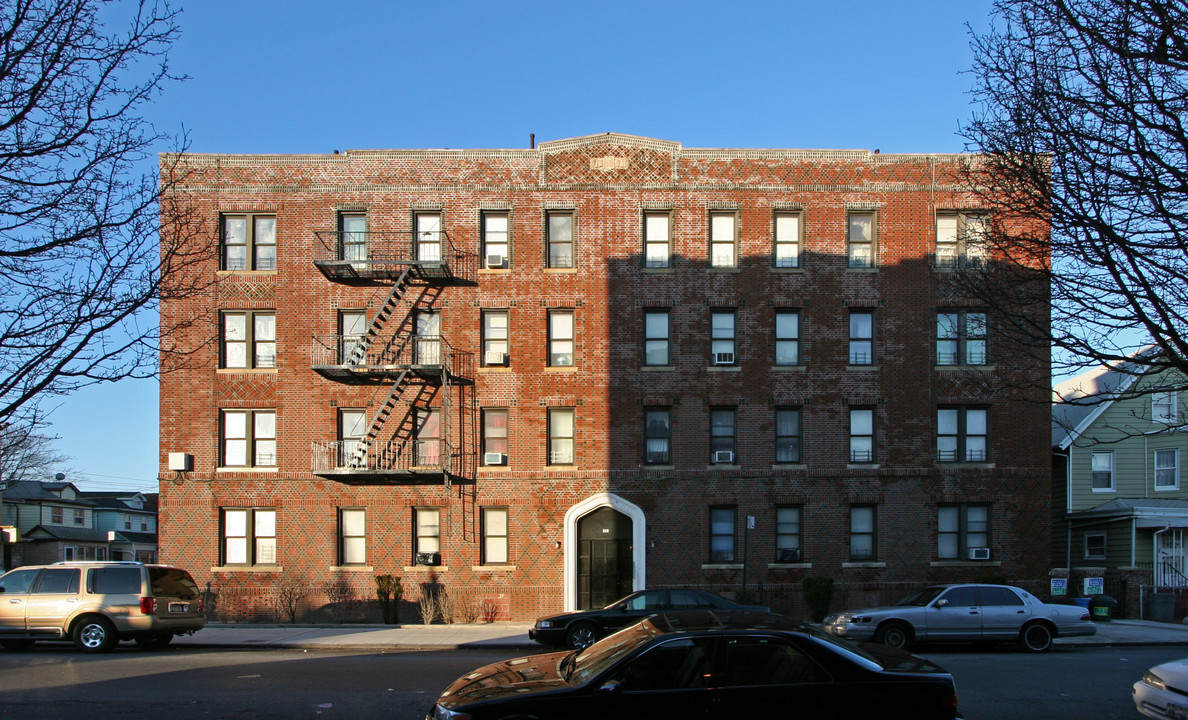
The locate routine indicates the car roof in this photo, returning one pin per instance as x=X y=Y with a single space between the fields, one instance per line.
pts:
x=681 y=621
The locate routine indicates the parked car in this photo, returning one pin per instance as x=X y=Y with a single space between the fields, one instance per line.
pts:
x=97 y=604
x=707 y=665
x=943 y=613
x=581 y=628
x=1163 y=691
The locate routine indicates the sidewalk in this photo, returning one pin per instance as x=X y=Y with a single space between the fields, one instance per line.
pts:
x=514 y=636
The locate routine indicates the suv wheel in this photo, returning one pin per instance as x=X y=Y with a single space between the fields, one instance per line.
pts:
x=95 y=634
x=155 y=642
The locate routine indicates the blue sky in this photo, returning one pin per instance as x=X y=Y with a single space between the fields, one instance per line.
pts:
x=297 y=76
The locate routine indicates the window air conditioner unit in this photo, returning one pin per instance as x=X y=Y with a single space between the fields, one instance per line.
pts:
x=723 y=456
x=493 y=458
x=180 y=461
x=495 y=260
x=788 y=555
x=724 y=358
x=428 y=558
x=494 y=357
x=979 y=553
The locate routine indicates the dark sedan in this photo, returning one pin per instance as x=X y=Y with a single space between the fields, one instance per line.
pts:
x=707 y=665
x=581 y=628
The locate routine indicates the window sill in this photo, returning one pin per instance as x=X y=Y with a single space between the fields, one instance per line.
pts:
x=494 y=468
x=561 y=368
x=1103 y=490
x=493 y=568
x=425 y=569
x=247 y=371
x=352 y=568
x=862 y=466
x=659 y=468
x=961 y=368
x=724 y=368
x=246 y=469
x=657 y=368
x=657 y=270
x=726 y=270
x=227 y=273
x=722 y=466
x=789 y=466
x=494 y=368
x=560 y=271
x=721 y=566
x=1167 y=489
x=787 y=368
x=798 y=270
x=964 y=563
x=494 y=271
x=247 y=568
x=966 y=465
x=864 y=565
x=862 y=270
x=789 y=566
x=862 y=368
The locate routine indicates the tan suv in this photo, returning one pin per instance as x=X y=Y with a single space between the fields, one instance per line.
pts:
x=97 y=604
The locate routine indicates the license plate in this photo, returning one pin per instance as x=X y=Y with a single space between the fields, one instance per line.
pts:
x=179 y=607
x=1177 y=712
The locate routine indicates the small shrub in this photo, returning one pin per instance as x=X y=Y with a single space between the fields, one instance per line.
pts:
x=291 y=591
x=427 y=606
x=818 y=594
x=489 y=610
x=388 y=591
x=341 y=595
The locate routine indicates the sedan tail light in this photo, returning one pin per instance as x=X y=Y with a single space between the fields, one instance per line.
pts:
x=148 y=605
x=1086 y=617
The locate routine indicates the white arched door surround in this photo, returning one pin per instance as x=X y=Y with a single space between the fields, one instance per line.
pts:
x=638 y=533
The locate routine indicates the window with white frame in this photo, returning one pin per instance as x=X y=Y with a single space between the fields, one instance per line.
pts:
x=496 y=249
x=249 y=242
x=787 y=435
x=861 y=337
x=80 y=517
x=561 y=336
x=127 y=521
x=788 y=534
x=961 y=337
x=863 y=546
x=352 y=331
x=861 y=240
x=352 y=237
x=1167 y=469
x=429 y=237
x=657 y=240
x=249 y=536
x=249 y=339
x=495 y=536
x=787 y=239
x=787 y=337
x=722 y=531
x=722 y=239
x=722 y=334
x=560 y=240
x=495 y=436
x=352 y=433
x=1164 y=407
x=961 y=434
x=427 y=522
x=961 y=528
x=862 y=435
x=249 y=438
x=723 y=435
x=1095 y=546
x=656 y=338
x=56 y=515
x=352 y=536
x=561 y=436
x=495 y=338
x=960 y=240
x=658 y=436
x=1102 y=471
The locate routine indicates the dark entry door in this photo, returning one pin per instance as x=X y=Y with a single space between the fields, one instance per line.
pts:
x=604 y=558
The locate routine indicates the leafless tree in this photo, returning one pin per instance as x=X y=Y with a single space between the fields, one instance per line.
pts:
x=79 y=219
x=27 y=453
x=1082 y=118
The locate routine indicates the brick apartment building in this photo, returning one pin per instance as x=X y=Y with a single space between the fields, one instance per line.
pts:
x=545 y=377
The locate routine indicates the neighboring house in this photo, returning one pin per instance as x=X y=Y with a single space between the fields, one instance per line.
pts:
x=1120 y=491
x=55 y=521
x=545 y=377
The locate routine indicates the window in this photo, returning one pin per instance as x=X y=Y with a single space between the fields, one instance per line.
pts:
x=127 y=521
x=249 y=242
x=496 y=252
x=352 y=233
x=428 y=237
x=862 y=240
x=494 y=536
x=862 y=533
x=787 y=545
x=961 y=435
x=862 y=440
x=1095 y=546
x=861 y=337
x=961 y=528
x=1163 y=407
x=60 y=581
x=428 y=530
x=787 y=240
x=56 y=515
x=722 y=435
x=787 y=435
x=80 y=517
x=960 y=240
x=495 y=436
x=249 y=438
x=722 y=534
x=961 y=337
x=428 y=448
x=656 y=338
x=352 y=536
x=352 y=327
x=249 y=536
x=787 y=337
x=722 y=240
x=495 y=345
x=658 y=436
x=657 y=243
x=560 y=240
x=249 y=339
x=560 y=338
x=1102 y=471
x=722 y=337
x=561 y=436
x=427 y=348
x=352 y=433
x=1167 y=469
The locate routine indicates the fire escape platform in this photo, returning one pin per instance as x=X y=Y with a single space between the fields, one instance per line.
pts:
x=381 y=374
x=382 y=271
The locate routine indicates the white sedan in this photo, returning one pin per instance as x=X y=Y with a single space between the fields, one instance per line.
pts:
x=1163 y=691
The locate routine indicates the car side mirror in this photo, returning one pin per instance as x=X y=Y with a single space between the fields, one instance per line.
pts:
x=940 y=603
x=614 y=687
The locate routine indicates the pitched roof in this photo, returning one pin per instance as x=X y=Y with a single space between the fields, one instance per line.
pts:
x=55 y=532
x=1080 y=400
x=26 y=490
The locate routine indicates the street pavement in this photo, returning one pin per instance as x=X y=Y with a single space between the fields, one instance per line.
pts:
x=508 y=635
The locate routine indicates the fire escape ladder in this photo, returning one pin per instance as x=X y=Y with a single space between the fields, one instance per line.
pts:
x=359 y=457
x=405 y=435
x=381 y=318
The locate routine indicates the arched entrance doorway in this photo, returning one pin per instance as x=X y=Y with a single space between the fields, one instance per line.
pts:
x=604 y=551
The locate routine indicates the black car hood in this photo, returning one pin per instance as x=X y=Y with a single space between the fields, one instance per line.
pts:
x=518 y=677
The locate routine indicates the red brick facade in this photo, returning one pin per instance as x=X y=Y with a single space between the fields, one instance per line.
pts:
x=606 y=184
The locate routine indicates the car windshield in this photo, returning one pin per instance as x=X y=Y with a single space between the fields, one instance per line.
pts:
x=585 y=664
x=923 y=597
